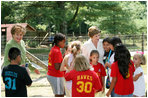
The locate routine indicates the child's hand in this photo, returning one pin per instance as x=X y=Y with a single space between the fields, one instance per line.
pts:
x=108 y=93
x=138 y=75
x=103 y=89
x=37 y=71
x=107 y=65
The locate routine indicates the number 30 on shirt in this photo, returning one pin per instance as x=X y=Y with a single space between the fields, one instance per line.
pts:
x=84 y=87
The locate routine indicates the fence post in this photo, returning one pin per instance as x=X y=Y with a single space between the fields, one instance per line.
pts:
x=143 y=42
x=133 y=39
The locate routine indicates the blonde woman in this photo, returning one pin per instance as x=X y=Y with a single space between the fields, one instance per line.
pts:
x=17 y=33
x=67 y=63
x=84 y=81
x=94 y=43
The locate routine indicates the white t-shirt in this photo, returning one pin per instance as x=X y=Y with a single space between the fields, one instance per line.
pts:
x=88 y=46
x=139 y=85
x=69 y=83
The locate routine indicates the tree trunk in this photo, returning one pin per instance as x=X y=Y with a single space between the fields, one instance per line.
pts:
x=62 y=25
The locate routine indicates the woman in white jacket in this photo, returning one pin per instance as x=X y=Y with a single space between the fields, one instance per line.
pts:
x=94 y=43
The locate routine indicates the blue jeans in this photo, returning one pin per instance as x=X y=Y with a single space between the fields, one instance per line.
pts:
x=113 y=93
x=130 y=95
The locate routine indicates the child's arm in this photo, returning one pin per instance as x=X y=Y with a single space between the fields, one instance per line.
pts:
x=137 y=76
x=103 y=87
x=114 y=80
x=62 y=68
x=26 y=78
x=57 y=66
x=65 y=61
x=69 y=76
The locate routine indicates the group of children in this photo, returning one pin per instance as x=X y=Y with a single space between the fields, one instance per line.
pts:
x=86 y=77
x=79 y=76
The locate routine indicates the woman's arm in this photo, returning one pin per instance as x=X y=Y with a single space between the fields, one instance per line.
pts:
x=113 y=83
x=6 y=60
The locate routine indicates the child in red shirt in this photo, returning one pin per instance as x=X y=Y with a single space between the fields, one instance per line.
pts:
x=98 y=67
x=122 y=73
x=54 y=75
x=84 y=81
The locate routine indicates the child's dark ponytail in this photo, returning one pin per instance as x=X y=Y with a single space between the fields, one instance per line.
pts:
x=115 y=40
x=53 y=43
x=57 y=38
x=122 y=55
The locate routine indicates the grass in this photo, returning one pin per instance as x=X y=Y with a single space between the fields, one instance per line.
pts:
x=40 y=50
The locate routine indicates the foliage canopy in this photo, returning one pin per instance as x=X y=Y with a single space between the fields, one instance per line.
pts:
x=125 y=17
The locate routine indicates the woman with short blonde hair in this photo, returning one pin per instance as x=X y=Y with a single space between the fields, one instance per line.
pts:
x=94 y=43
x=17 y=32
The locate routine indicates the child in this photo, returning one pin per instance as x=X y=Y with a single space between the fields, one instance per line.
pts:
x=54 y=75
x=106 y=46
x=68 y=63
x=14 y=76
x=84 y=81
x=139 y=83
x=113 y=42
x=67 y=50
x=98 y=67
x=122 y=73
x=107 y=54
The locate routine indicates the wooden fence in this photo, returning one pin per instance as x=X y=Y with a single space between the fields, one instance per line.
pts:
x=133 y=42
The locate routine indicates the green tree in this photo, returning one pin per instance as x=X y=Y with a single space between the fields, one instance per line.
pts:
x=76 y=16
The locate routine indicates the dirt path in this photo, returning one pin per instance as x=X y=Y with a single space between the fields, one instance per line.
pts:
x=40 y=88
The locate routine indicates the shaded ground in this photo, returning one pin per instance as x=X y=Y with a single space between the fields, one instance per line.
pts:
x=41 y=87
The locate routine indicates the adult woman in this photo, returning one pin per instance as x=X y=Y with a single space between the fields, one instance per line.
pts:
x=17 y=33
x=94 y=43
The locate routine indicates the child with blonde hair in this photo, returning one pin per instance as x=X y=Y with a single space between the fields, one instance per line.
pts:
x=84 y=81
x=67 y=63
x=139 y=83
x=99 y=69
